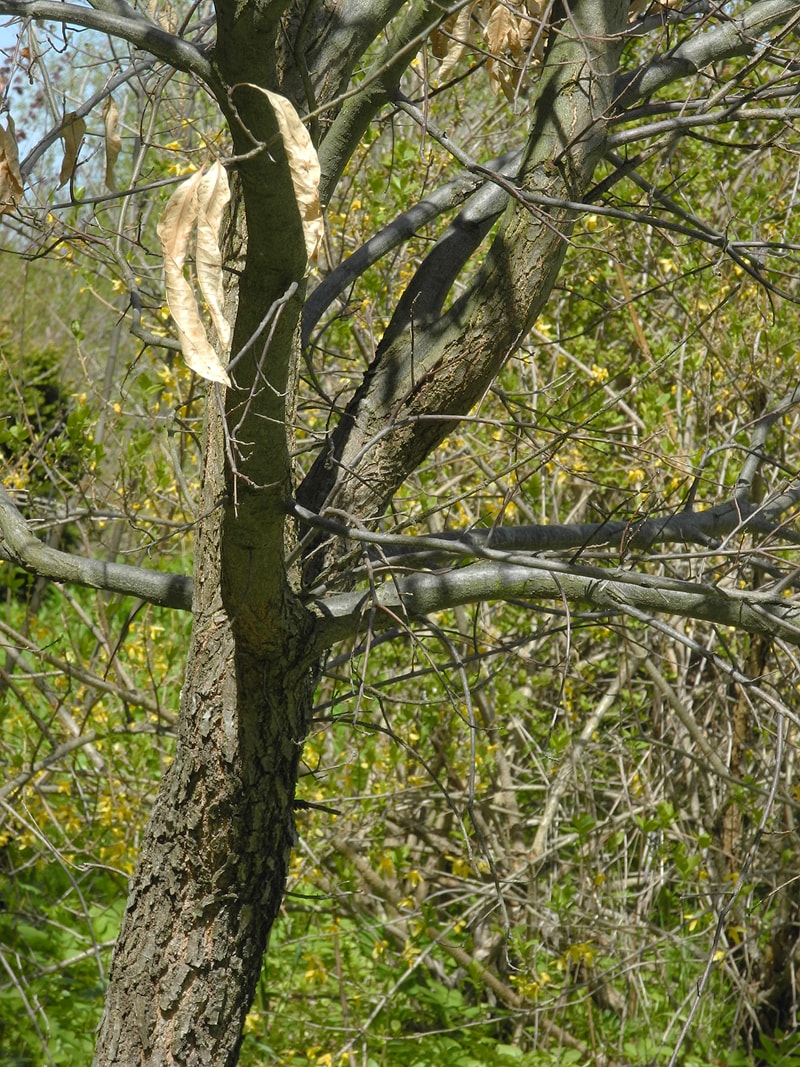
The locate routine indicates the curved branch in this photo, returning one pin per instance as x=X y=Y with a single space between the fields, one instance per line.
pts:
x=442 y=369
x=703 y=49
x=380 y=85
x=20 y=546
x=401 y=229
x=115 y=7
x=737 y=36
x=705 y=528
x=342 y=616
x=135 y=29
x=424 y=297
x=322 y=44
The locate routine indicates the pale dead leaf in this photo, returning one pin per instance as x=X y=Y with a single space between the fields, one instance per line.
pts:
x=450 y=41
x=502 y=31
x=162 y=12
x=10 y=177
x=174 y=230
x=113 y=141
x=72 y=134
x=515 y=38
x=639 y=8
x=537 y=30
x=303 y=166
x=213 y=196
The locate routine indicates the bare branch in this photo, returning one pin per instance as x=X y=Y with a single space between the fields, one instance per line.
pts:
x=617 y=591
x=401 y=229
x=379 y=87
x=716 y=44
x=135 y=28
x=738 y=36
x=18 y=545
x=445 y=368
x=705 y=528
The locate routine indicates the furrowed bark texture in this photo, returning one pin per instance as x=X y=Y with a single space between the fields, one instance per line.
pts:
x=210 y=879
x=211 y=873
x=212 y=869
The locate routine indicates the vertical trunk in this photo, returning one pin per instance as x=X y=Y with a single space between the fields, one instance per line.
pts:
x=210 y=878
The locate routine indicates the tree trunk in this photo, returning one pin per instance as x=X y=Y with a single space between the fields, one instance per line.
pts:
x=211 y=874
x=210 y=877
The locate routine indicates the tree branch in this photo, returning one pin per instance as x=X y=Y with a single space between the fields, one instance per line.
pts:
x=320 y=47
x=425 y=376
x=115 y=7
x=342 y=615
x=379 y=86
x=705 y=528
x=737 y=36
x=442 y=369
x=401 y=229
x=711 y=45
x=135 y=29
x=20 y=546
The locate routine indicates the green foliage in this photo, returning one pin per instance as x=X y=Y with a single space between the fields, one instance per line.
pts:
x=70 y=828
x=58 y=925
x=87 y=710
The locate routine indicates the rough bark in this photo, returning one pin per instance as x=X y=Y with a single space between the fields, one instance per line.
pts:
x=210 y=877
x=211 y=873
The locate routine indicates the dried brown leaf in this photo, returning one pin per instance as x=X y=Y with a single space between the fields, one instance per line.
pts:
x=10 y=176
x=113 y=141
x=72 y=134
x=515 y=38
x=213 y=196
x=304 y=168
x=162 y=12
x=174 y=231
x=450 y=42
x=502 y=31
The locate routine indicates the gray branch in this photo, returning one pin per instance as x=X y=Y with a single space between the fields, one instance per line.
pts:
x=738 y=36
x=496 y=579
x=638 y=534
x=380 y=84
x=20 y=546
x=136 y=29
x=401 y=229
x=116 y=7
x=421 y=594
